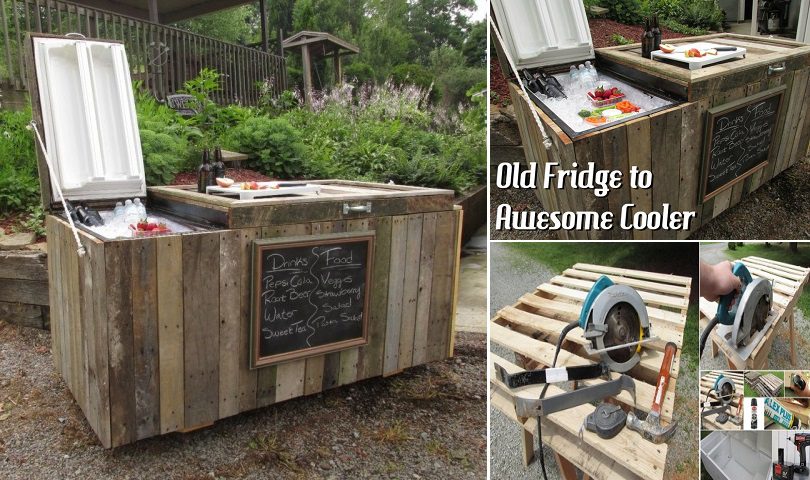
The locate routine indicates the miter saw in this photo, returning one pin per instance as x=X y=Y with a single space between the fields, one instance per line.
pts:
x=743 y=314
x=614 y=319
x=726 y=391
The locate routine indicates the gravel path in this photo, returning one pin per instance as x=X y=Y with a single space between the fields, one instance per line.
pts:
x=428 y=422
x=514 y=273
x=520 y=200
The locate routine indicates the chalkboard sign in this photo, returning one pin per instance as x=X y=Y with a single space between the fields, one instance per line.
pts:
x=310 y=295
x=739 y=138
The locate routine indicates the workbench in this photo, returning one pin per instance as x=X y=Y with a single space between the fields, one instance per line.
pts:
x=788 y=283
x=706 y=382
x=530 y=329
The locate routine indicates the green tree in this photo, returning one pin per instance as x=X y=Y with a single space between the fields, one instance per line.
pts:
x=475 y=45
x=236 y=25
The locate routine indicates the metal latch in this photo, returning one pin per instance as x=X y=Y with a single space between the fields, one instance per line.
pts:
x=776 y=68
x=356 y=208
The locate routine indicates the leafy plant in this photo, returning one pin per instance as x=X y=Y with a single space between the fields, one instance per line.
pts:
x=679 y=27
x=19 y=182
x=620 y=40
x=274 y=144
x=624 y=11
x=701 y=14
x=34 y=222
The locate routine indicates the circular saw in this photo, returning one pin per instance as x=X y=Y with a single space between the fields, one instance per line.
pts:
x=725 y=390
x=743 y=312
x=614 y=319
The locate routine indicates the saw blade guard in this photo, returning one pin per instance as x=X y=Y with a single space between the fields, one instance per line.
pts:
x=751 y=310
x=727 y=306
x=598 y=287
x=618 y=316
x=725 y=389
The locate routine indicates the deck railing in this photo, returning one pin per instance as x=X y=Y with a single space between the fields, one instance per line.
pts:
x=162 y=57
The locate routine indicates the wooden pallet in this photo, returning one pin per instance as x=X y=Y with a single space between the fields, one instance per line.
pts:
x=530 y=328
x=706 y=382
x=788 y=283
x=765 y=385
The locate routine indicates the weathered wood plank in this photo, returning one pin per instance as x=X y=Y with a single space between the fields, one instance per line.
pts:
x=24 y=265
x=201 y=328
x=420 y=342
x=170 y=336
x=666 y=166
x=52 y=231
x=230 y=317
x=145 y=338
x=614 y=149
x=370 y=356
x=290 y=379
x=442 y=288
x=396 y=283
x=248 y=379
x=118 y=265
x=639 y=153
x=410 y=291
x=33 y=292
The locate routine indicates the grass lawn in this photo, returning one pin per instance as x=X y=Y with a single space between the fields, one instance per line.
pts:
x=779 y=252
x=674 y=258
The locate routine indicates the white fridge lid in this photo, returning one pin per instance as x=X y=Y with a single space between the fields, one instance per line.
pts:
x=88 y=118
x=544 y=32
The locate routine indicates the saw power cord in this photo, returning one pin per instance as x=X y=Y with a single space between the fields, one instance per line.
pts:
x=563 y=333
x=80 y=250
x=704 y=335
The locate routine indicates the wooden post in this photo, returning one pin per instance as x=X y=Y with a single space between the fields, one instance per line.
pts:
x=154 y=17
x=307 y=63
x=263 y=12
x=338 y=71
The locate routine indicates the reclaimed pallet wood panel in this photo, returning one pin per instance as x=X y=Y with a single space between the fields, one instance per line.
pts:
x=788 y=284
x=530 y=329
x=201 y=328
x=164 y=344
x=170 y=334
x=709 y=422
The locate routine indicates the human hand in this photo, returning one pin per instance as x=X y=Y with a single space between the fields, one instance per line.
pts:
x=717 y=280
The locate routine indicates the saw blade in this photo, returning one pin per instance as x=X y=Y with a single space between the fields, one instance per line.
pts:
x=752 y=312
x=622 y=328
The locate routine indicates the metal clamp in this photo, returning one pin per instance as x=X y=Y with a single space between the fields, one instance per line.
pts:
x=356 y=208
x=776 y=68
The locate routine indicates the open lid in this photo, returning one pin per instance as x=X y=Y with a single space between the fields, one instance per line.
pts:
x=544 y=32
x=86 y=113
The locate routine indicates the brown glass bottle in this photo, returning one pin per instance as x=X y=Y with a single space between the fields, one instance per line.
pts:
x=219 y=165
x=656 y=30
x=205 y=172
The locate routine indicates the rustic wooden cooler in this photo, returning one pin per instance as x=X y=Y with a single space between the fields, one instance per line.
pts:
x=161 y=334
x=673 y=142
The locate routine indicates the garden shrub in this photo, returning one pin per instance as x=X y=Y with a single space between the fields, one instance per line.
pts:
x=274 y=144
x=19 y=181
x=701 y=14
x=358 y=73
x=678 y=27
x=624 y=11
x=662 y=8
x=412 y=74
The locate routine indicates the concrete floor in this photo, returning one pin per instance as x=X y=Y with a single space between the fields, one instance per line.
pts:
x=471 y=311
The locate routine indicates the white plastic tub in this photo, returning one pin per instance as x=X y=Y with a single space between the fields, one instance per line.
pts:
x=737 y=455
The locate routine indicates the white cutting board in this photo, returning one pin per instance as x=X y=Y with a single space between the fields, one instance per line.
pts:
x=266 y=192
x=693 y=63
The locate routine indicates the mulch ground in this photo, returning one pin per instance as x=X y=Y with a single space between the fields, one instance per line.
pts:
x=427 y=422
x=602 y=32
x=237 y=174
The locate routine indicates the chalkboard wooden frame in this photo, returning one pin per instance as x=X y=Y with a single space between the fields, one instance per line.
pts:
x=264 y=245
x=707 y=148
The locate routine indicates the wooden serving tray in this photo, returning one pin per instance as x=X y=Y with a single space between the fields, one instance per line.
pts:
x=236 y=189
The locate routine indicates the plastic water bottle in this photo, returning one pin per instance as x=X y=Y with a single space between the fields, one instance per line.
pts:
x=593 y=77
x=118 y=212
x=140 y=208
x=575 y=77
x=131 y=216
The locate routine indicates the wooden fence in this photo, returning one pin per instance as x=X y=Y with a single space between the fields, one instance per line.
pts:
x=162 y=57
